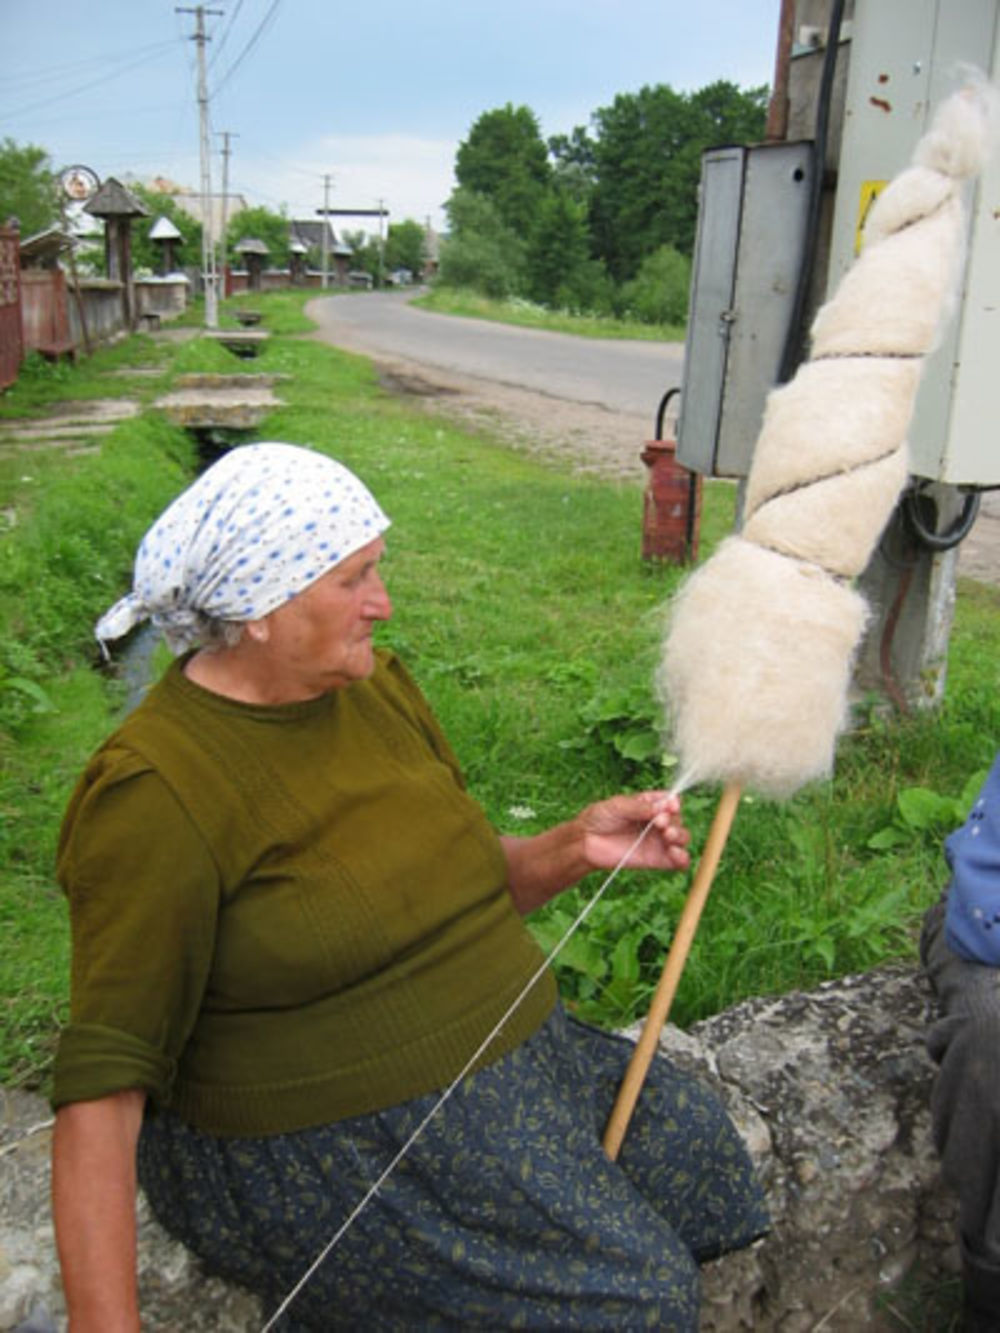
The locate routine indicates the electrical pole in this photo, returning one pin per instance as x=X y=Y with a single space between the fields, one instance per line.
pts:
x=381 y=243
x=225 y=135
x=207 y=228
x=326 y=230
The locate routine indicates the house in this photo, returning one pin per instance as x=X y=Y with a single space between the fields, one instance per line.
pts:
x=310 y=234
x=221 y=206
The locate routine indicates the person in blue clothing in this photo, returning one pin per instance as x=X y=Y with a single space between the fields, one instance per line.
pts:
x=960 y=950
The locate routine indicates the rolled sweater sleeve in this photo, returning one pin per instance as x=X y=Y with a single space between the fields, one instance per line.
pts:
x=972 y=921
x=143 y=895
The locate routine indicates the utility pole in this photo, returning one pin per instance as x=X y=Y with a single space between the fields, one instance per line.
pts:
x=381 y=243
x=326 y=230
x=207 y=229
x=225 y=135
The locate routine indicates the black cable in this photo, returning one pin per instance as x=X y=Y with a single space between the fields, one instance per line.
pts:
x=795 y=338
x=258 y=33
x=662 y=411
x=915 y=502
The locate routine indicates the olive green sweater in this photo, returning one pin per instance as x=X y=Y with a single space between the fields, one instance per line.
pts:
x=283 y=916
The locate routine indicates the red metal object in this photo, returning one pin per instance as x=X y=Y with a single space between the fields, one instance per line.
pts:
x=671 y=511
x=11 y=335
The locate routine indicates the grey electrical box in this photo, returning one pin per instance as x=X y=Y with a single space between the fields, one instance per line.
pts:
x=752 y=222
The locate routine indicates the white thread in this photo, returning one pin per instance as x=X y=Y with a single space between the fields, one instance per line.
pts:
x=483 y=1046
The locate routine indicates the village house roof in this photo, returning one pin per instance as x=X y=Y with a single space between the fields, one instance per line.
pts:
x=311 y=235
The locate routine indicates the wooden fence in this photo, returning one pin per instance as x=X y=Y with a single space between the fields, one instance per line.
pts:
x=11 y=339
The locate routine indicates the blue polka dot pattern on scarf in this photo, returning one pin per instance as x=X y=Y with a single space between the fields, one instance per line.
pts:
x=254 y=530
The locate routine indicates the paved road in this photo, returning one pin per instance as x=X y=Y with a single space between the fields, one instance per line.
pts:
x=628 y=377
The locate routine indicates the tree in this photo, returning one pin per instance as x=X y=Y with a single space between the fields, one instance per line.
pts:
x=264 y=225
x=505 y=159
x=558 y=248
x=573 y=167
x=647 y=165
x=404 y=247
x=659 y=293
x=29 y=190
x=365 y=256
x=480 y=251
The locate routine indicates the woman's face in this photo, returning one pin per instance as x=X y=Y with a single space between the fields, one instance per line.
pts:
x=322 y=639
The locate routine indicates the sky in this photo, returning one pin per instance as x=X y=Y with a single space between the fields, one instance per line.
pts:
x=362 y=104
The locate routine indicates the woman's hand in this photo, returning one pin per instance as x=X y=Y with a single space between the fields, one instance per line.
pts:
x=611 y=827
x=597 y=839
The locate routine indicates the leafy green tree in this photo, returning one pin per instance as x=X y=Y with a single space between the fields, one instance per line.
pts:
x=647 y=165
x=480 y=251
x=505 y=159
x=404 y=247
x=263 y=224
x=558 y=249
x=29 y=190
x=573 y=168
x=366 y=256
x=659 y=293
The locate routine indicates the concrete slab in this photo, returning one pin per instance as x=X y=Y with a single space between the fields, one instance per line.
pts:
x=225 y=408
x=69 y=427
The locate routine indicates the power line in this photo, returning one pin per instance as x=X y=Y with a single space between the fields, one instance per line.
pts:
x=258 y=33
x=93 y=83
x=45 y=74
x=225 y=35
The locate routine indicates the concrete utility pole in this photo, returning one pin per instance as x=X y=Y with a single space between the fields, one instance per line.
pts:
x=225 y=135
x=381 y=243
x=207 y=228
x=326 y=230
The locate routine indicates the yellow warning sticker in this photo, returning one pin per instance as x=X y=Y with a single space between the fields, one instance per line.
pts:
x=870 y=191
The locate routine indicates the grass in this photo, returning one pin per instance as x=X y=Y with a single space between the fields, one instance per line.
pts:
x=525 y=612
x=516 y=310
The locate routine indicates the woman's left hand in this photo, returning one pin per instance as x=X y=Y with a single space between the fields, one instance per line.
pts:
x=610 y=828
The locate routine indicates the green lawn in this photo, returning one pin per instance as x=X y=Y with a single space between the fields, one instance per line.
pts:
x=527 y=615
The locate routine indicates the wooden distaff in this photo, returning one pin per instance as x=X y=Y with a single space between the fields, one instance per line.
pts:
x=757 y=662
x=663 y=998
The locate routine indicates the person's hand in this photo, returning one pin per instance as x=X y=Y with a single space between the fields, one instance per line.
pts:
x=611 y=827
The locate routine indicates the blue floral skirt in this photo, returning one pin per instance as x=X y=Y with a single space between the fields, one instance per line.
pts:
x=505 y=1213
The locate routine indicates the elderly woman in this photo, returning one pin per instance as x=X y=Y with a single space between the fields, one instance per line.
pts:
x=293 y=927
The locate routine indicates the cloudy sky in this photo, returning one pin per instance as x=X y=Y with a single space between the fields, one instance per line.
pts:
x=377 y=96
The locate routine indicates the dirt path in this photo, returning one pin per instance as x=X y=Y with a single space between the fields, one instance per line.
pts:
x=584 y=437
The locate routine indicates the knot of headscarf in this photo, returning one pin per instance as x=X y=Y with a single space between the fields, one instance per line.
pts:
x=254 y=530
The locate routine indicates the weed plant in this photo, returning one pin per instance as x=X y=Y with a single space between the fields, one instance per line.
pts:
x=526 y=614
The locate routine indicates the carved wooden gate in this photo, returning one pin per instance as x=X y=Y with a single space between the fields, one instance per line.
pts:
x=11 y=342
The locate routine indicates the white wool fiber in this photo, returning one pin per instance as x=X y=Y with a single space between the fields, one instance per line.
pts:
x=759 y=650
x=756 y=668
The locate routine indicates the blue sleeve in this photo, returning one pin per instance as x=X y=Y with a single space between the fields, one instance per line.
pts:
x=972 y=922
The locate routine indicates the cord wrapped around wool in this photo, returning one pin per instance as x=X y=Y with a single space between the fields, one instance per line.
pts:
x=760 y=644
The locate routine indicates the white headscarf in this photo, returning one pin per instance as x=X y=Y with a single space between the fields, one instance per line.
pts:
x=256 y=528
